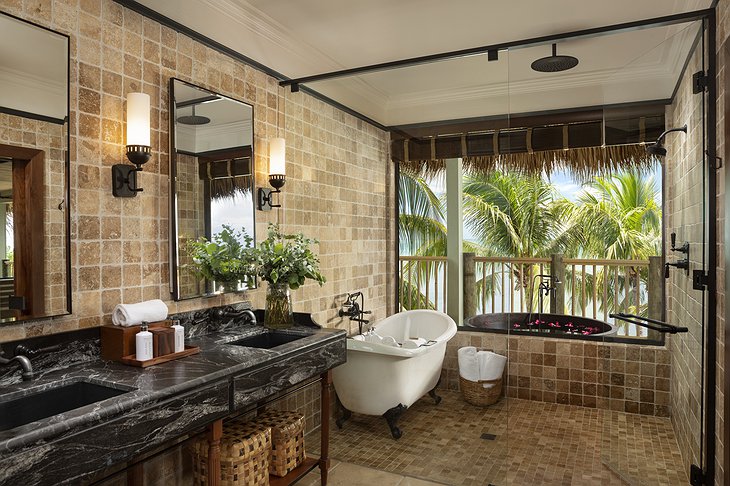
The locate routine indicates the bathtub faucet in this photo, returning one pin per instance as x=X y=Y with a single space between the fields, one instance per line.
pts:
x=546 y=286
x=353 y=309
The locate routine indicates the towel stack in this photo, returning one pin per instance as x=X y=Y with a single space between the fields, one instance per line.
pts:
x=126 y=315
x=480 y=365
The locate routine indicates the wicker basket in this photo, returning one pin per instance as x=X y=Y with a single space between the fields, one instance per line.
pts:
x=287 y=440
x=245 y=450
x=475 y=393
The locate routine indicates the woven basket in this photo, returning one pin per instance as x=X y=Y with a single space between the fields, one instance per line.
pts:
x=245 y=450
x=475 y=393
x=287 y=440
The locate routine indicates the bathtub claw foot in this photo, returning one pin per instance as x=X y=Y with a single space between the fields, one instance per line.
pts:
x=392 y=416
x=436 y=398
x=346 y=414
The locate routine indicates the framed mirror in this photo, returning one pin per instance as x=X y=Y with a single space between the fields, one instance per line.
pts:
x=211 y=177
x=34 y=171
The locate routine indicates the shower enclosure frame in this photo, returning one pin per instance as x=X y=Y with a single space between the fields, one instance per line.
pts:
x=708 y=17
x=699 y=474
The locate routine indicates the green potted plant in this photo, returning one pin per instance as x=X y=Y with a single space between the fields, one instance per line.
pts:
x=227 y=258
x=285 y=262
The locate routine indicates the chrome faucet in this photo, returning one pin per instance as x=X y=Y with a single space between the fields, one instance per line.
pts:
x=251 y=316
x=23 y=361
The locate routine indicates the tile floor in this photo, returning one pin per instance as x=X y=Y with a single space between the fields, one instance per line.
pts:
x=347 y=474
x=536 y=444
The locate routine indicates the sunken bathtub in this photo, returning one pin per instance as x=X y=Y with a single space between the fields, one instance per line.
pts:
x=552 y=325
x=393 y=365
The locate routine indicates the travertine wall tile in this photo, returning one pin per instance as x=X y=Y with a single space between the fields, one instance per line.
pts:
x=339 y=179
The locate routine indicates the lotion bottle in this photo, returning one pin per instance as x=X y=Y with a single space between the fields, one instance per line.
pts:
x=179 y=336
x=143 y=341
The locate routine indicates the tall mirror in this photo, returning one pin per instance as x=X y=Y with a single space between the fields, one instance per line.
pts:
x=211 y=177
x=34 y=190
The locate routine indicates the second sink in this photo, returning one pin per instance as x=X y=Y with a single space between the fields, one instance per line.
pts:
x=52 y=401
x=267 y=340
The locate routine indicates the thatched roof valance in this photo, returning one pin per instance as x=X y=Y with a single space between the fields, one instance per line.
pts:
x=228 y=171
x=586 y=148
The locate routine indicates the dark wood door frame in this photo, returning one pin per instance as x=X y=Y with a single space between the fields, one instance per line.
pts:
x=28 y=222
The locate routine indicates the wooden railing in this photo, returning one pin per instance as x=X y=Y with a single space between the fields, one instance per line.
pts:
x=422 y=283
x=591 y=288
x=600 y=287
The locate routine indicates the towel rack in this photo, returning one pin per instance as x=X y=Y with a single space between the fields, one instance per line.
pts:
x=648 y=323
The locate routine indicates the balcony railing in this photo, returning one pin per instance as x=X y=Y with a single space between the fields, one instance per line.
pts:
x=422 y=283
x=591 y=288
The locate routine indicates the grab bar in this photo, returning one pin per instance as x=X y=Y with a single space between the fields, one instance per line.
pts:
x=649 y=324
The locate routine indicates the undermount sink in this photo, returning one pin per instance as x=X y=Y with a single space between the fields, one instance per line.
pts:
x=52 y=401
x=267 y=340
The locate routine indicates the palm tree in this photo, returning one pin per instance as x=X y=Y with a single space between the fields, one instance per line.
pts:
x=621 y=219
x=518 y=216
x=421 y=226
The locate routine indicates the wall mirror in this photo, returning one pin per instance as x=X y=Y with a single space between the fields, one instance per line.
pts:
x=34 y=183
x=211 y=177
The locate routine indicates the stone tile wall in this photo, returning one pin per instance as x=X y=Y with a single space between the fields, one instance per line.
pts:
x=723 y=33
x=611 y=376
x=683 y=200
x=338 y=186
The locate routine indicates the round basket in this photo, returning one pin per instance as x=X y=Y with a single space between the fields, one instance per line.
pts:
x=475 y=393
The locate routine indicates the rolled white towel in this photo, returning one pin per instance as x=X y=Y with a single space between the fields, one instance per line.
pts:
x=358 y=337
x=373 y=338
x=413 y=343
x=390 y=341
x=468 y=363
x=491 y=366
x=126 y=315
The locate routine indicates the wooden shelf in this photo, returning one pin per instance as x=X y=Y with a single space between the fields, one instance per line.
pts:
x=131 y=360
x=307 y=466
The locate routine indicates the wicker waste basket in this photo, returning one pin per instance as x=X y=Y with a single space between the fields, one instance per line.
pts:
x=475 y=393
x=287 y=440
x=245 y=448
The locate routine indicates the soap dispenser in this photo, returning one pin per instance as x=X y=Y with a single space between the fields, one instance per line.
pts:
x=179 y=336
x=143 y=341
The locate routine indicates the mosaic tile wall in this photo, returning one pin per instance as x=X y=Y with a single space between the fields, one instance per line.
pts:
x=338 y=174
x=610 y=376
x=48 y=137
x=683 y=203
x=190 y=218
x=722 y=456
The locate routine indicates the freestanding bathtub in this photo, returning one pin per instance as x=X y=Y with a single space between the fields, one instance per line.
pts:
x=382 y=379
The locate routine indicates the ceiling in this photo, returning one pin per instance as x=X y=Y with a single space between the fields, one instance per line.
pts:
x=33 y=69
x=310 y=37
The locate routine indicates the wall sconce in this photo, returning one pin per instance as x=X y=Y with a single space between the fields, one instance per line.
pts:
x=124 y=176
x=277 y=175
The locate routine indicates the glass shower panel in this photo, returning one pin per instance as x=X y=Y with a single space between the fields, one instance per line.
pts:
x=438 y=113
x=651 y=381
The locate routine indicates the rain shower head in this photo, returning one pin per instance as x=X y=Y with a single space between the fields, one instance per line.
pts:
x=554 y=63
x=657 y=148
x=193 y=119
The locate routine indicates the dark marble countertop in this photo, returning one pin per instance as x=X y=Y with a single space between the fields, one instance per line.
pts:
x=217 y=362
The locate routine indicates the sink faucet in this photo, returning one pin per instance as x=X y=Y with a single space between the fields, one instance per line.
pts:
x=230 y=313
x=23 y=361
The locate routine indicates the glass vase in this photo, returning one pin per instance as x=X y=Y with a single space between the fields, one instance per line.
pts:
x=278 y=313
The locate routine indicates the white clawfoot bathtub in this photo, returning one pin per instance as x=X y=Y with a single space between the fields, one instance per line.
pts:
x=383 y=379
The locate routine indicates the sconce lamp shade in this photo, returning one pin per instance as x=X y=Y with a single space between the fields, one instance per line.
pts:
x=138 y=119
x=277 y=156
x=124 y=176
